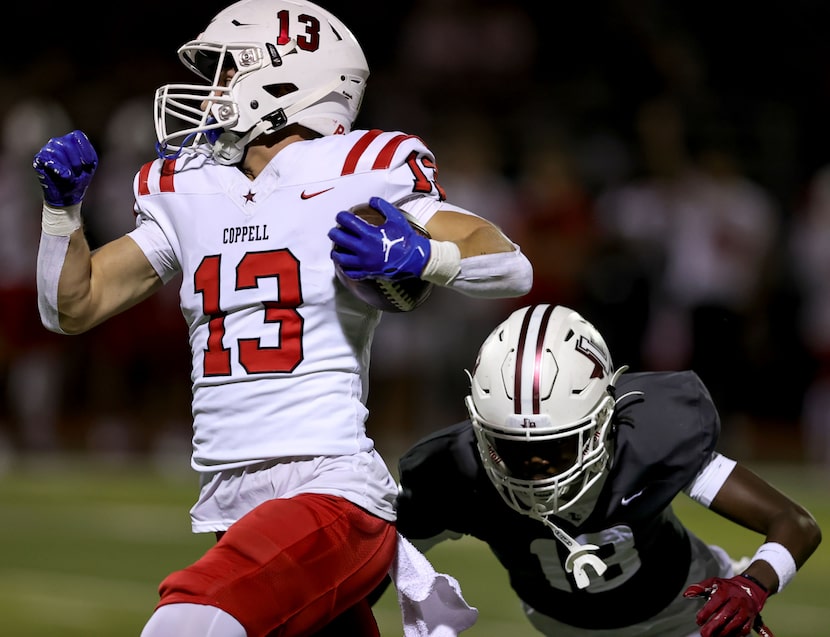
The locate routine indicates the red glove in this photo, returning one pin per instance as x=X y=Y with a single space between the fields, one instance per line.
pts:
x=733 y=607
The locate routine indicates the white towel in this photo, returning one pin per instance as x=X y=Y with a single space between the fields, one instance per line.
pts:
x=431 y=603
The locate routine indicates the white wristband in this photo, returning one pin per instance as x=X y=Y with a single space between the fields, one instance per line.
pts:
x=61 y=222
x=780 y=559
x=444 y=262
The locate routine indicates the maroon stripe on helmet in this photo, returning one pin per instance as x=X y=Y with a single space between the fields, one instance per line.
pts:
x=537 y=362
x=517 y=373
x=357 y=150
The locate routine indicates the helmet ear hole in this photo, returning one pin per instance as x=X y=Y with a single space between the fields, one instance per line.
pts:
x=280 y=90
x=550 y=371
x=507 y=374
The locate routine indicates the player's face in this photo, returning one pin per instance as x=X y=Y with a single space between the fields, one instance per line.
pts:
x=224 y=80
x=226 y=76
x=538 y=460
x=208 y=64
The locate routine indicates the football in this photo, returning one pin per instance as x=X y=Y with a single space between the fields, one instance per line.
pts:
x=403 y=295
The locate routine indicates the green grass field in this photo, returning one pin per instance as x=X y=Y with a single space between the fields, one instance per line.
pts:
x=85 y=544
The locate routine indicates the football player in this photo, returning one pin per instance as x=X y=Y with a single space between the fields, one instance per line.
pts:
x=257 y=166
x=567 y=469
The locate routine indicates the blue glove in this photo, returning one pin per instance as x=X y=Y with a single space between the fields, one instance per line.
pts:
x=393 y=250
x=65 y=166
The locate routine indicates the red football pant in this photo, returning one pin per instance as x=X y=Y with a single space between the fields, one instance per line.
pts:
x=291 y=566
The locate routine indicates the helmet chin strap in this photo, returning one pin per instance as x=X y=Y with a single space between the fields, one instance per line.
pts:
x=229 y=148
x=579 y=556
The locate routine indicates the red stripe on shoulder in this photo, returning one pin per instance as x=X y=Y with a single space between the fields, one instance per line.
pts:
x=357 y=150
x=143 y=177
x=384 y=158
x=168 y=169
x=166 y=184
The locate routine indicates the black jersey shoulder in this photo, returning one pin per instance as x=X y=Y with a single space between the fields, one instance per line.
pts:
x=666 y=416
x=665 y=430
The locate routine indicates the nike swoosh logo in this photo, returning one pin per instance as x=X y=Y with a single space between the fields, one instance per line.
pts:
x=309 y=195
x=627 y=500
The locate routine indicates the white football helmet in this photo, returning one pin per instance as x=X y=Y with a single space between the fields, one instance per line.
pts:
x=294 y=62
x=541 y=405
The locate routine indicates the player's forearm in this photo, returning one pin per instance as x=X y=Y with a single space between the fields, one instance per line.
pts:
x=793 y=536
x=797 y=530
x=78 y=289
x=790 y=531
x=63 y=281
x=487 y=263
x=501 y=274
x=75 y=287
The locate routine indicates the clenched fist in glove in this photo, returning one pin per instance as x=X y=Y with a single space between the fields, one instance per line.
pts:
x=392 y=250
x=65 y=166
x=733 y=607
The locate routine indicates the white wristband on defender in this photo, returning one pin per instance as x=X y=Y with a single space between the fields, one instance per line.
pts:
x=61 y=222
x=780 y=559
x=444 y=262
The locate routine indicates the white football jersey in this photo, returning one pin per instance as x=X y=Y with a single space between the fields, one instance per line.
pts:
x=280 y=348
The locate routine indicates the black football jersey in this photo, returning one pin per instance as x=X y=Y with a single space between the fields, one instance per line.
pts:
x=666 y=428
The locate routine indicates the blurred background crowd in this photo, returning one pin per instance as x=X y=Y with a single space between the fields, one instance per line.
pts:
x=665 y=166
